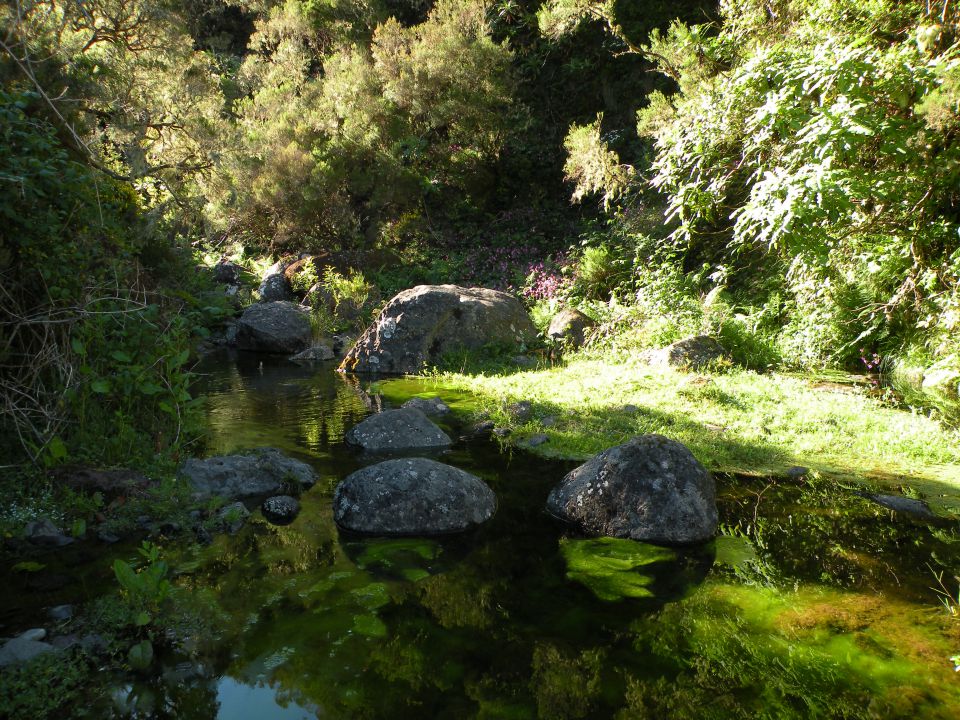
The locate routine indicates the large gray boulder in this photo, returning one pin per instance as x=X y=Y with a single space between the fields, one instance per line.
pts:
x=275 y=327
x=650 y=489
x=265 y=471
x=412 y=496
x=421 y=324
x=570 y=326
x=403 y=429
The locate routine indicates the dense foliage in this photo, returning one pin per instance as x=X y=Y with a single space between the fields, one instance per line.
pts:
x=809 y=161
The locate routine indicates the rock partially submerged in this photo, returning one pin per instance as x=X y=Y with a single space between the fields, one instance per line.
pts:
x=318 y=352
x=280 y=509
x=651 y=489
x=413 y=496
x=275 y=327
x=428 y=406
x=418 y=326
x=905 y=505
x=44 y=532
x=403 y=429
x=264 y=471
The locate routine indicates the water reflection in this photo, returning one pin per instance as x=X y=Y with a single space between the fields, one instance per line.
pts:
x=814 y=603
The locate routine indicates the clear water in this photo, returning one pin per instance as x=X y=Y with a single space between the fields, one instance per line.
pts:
x=813 y=603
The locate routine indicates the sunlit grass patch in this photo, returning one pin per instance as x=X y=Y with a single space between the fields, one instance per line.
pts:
x=738 y=421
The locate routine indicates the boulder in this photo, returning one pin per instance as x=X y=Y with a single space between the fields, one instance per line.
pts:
x=428 y=406
x=227 y=273
x=264 y=471
x=570 y=326
x=275 y=327
x=650 y=489
x=317 y=352
x=693 y=353
x=24 y=648
x=421 y=324
x=44 y=532
x=412 y=496
x=403 y=429
x=275 y=287
x=280 y=509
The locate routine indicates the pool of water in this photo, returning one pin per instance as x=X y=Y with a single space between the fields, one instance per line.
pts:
x=813 y=602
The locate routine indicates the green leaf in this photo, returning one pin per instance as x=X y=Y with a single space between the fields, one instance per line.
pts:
x=141 y=655
x=28 y=566
x=101 y=386
x=56 y=448
x=78 y=347
x=121 y=356
x=142 y=619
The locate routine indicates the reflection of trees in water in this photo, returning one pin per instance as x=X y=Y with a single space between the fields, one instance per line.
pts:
x=277 y=403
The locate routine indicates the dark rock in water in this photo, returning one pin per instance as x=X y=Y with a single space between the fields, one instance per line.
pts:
x=227 y=273
x=693 y=353
x=318 y=352
x=231 y=518
x=403 y=429
x=275 y=287
x=24 y=648
x=413 y=496
x=275 y=327
x=479 y=430
x=420 y=325
x=428 y=406
x=650 y=489
x=44 y=532
x=901 y=504
x=570 y=326
x=260 y=472
x=280 y=509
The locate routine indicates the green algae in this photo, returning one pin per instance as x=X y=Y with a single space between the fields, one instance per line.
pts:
x=610 y=567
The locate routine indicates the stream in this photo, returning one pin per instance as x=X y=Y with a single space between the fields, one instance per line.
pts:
x=813 y=602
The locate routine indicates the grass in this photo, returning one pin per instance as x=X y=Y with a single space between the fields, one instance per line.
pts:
x=737 y=421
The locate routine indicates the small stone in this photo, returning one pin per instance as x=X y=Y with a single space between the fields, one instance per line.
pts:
x=280 y=509
x=64 y=642
x=501 y=432
x=630 y=409
x=34 y=634
x=106 y=537
x=60 y=613
x=796 y=472
x=536 y=440
x=548 y=421
x=428 y=406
